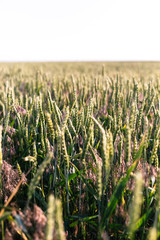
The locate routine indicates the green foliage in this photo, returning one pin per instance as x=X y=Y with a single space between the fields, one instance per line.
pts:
x=84 y=138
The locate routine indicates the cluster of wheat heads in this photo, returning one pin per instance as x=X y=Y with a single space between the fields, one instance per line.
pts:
x=79 y=151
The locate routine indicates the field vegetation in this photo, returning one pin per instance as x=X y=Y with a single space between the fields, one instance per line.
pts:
x=79 y=151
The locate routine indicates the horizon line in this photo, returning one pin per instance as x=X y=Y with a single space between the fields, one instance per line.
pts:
x=76 y=61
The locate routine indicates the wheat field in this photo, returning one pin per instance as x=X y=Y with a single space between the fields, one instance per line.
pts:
x=79 y=150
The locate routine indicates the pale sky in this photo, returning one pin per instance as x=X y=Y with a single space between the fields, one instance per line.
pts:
x=79 y=30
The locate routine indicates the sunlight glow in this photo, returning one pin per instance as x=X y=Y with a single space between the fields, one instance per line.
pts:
x=86 y=30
